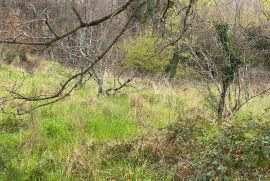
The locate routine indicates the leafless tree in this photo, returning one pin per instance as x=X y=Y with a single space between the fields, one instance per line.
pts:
x=48 y=37
x=84 y=43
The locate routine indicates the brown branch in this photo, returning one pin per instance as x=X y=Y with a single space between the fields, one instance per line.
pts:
x=122 y=85
x=64 y=86
x=78 y=16
x=249 y=99
x=72 y=31
x=166 y=10
x=184 y=29
x=49 y=26
x=47 y=103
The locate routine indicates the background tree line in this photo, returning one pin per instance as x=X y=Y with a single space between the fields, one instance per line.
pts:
x=222 y=44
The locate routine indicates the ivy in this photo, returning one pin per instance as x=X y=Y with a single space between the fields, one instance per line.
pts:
x=233 y=59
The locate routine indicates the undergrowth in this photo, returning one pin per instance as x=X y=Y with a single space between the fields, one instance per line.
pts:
x=158 y=133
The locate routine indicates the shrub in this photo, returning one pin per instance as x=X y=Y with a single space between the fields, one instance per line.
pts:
x=239 y=151
x=142 y=54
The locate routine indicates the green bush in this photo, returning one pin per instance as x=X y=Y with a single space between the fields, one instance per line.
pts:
x=142 y=53
x=239 y=151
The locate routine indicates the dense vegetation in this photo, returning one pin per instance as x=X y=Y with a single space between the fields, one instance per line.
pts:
x=135 y=90
x=154 y=133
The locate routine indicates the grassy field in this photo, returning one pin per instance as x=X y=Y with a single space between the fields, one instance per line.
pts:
x=154 y=133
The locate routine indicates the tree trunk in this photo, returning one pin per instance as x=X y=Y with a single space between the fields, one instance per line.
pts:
x=221 y=104
x=99 y=81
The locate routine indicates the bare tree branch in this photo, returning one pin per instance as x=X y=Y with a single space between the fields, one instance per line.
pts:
x=60 y=94
x=72 y=31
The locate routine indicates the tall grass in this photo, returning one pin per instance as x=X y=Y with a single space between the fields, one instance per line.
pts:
x=85 y=137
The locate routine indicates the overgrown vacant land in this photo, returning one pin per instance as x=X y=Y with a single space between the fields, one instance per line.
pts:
x=134 y=90
x=153 y=132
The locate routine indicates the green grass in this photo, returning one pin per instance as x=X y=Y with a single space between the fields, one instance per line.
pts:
x=121 y=137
